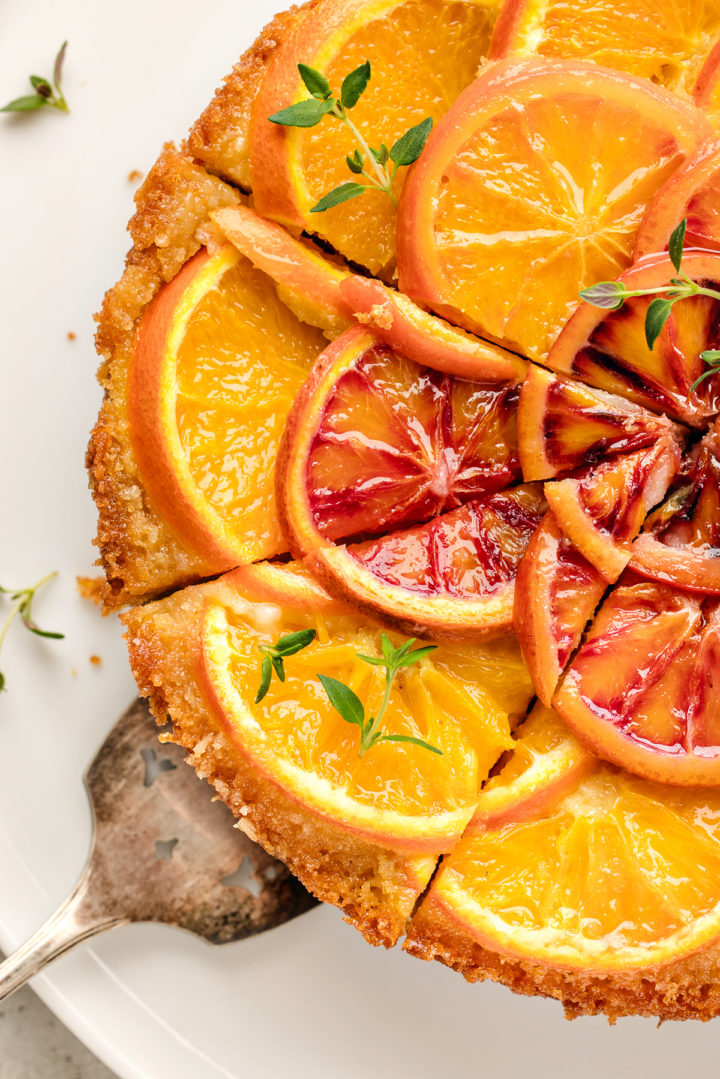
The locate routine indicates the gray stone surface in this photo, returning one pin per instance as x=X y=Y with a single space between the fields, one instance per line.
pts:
x=36 y=1045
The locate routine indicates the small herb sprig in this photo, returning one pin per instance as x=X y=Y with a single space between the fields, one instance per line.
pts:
x=47 y=94
x=351 y=708
x=274 y=654
x=377 y=165
x=22 y=600
x=613 y=294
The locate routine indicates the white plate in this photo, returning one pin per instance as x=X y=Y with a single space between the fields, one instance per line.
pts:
x=311 y=997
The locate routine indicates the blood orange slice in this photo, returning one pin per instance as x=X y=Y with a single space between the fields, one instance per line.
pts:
x=422 y=53
x=707 y=88
x=680 y=543
x=376 y=442
x=602 y=509
x=692 y=192
x=665 y=41
x=557 y=592
x=609 y=348
x=618 y=877
x=564 y=425
x=640 y=690
x=451 y=577
x=531 y=188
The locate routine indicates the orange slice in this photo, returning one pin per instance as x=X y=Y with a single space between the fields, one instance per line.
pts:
x=680 y=543
x=564 y=425
x=609 y=349
x=601 y=509
x=217 y=363
x=307 y=282
x=422 y=53
x=557 y=592
x=451 y=577
x=531 y=188
x=665 y=41
x=640 y=690
x=429 y=340
x=375 y=443
x=545 y=761
x=692 y=192
x=398 y=793
x=618 y=876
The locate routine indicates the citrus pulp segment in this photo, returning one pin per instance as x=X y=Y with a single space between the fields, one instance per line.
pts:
x=425 y=338
x=545 y=761
x=375 y=442
x=618 y=875
x=307 y=283
x=609 y=349
x=692 y=192
x=531 y=188
x=422 y=53
x=564 y=425
x=217 y=363
x=665 y=41
x=601 y=509
x=451 y=577
x=680 y=543
x=557 y=592
x=639 y=692
x=706 y=92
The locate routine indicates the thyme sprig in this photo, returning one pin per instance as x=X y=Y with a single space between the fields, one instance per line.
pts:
x=351 y=708
x=377 y=165
x=47 y=94
x=274 y=654
x=613 y=294
x=22 y=600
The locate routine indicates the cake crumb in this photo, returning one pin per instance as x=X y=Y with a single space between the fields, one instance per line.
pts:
x=71 y=336
x=134 y=175
x=91 y=588
x=95 y=660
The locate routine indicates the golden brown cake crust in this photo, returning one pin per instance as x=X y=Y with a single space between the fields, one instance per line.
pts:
x=139 y=554
x=686 y=989
x=374 y=886
x=220 y=138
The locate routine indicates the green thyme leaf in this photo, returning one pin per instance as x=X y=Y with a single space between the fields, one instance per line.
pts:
x=355 y=163
x=303 y=114
x=59 y=61
x=315 y=82
x=278 y=667
x=266 y=677
x=675 y=244
x=349 y=190
x=409 y=738
x=409 y=146
x=41 y=86
x=607 y=294
x=414 y=656
x=22 y=600
x=344 y=700
x=354 y=85
x=657 y=315
x=24 y=104
x=294 y=642
x=710 y=355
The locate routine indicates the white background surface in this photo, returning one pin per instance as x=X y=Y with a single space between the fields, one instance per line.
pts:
x=311 y=998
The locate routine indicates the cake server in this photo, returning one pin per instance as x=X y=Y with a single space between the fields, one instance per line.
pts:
x=162 y=851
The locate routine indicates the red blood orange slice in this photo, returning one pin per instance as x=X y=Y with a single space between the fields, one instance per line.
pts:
x=451 y=577
x=608 y=348
x=681 y=540
x=564 y=425
x=376 y=442
x=692 y=192
x=531 y=188
x=640 y=690
x=557 y=592
x=601 y=509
